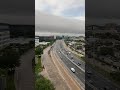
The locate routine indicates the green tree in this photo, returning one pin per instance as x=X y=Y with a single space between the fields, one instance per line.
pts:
x=9 y=59
x=106 y=51
x=43 y=84
x=38 y=50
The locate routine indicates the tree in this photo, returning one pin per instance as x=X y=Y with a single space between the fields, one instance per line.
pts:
x=43 y=84
x=106 y=51
x=9 y=59
x=38 y=50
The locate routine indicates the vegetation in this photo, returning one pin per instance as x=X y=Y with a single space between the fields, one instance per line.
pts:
x=106 y=51
x=9 y=59
x=38 y=50
x=41 y=82
x=38 y=67
x=115 y=76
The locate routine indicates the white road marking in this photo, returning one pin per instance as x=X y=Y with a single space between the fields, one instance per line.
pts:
x=72 y=62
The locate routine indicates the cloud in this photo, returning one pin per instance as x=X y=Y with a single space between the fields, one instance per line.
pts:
x=50 y=23
x=17 y=7
x=59 y=7
x=107 y=9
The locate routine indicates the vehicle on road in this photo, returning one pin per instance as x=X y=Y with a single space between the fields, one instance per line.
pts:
x=72 y=69
x=78 y=64
x=90 y=81
x=89 y=72
x=71 y=57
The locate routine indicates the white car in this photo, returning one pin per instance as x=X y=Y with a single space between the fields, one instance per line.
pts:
x=72 y=69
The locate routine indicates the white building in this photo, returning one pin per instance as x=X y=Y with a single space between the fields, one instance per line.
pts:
x=4 y=36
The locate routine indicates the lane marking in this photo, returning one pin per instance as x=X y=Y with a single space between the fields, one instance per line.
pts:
x=72 y=62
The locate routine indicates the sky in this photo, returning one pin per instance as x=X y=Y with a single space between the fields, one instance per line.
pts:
x=102 y=11
x=23 y=11
x=60 y=16
x=17 y=11
x=66 y=8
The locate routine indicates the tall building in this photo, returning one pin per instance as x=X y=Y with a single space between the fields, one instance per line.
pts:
x=4 y=35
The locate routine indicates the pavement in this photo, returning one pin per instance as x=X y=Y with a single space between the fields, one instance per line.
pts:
x=24 y=75
x=52 y=73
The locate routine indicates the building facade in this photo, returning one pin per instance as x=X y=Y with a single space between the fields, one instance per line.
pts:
x=4 y=35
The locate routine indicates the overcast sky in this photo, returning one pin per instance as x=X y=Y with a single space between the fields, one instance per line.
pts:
x=102 y=11
x=17 y=11
x=60 y=16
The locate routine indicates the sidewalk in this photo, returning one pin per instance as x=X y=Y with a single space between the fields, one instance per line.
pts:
x=52 y=73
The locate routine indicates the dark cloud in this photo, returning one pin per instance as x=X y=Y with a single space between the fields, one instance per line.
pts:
x=17 y=11
x=103 y=9
x=56 y=24
x=17 y=7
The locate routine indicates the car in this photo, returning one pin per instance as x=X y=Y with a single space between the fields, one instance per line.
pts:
x=69 y=52
x=71 y=57
x=90 y=81
x=88 y=76
x=72 y=69
x=78 y=64
x=89 y=72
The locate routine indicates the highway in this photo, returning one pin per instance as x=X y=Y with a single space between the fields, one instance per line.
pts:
x=95 y=81
x=66 y=58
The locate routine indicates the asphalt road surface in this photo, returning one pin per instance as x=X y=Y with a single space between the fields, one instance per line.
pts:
x=94 y=81
x=66 y=58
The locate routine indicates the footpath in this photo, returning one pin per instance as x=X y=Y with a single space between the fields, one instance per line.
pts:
x=51 y=72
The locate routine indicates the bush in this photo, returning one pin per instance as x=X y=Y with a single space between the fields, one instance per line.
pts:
x=115 y=76
x=38 y=50
x=43 y=84
x=9 y=59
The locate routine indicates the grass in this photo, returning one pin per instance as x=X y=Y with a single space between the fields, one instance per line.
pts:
x=38 y=67
x=41 y=82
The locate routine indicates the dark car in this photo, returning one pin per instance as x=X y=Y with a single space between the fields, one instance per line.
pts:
x=79 y=64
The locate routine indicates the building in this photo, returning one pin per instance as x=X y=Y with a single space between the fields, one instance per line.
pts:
x=46 y=38
x=4 y=35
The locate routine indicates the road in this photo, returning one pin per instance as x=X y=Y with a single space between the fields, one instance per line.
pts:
x=94 y=82
x=62 y=53
x=24 y=75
